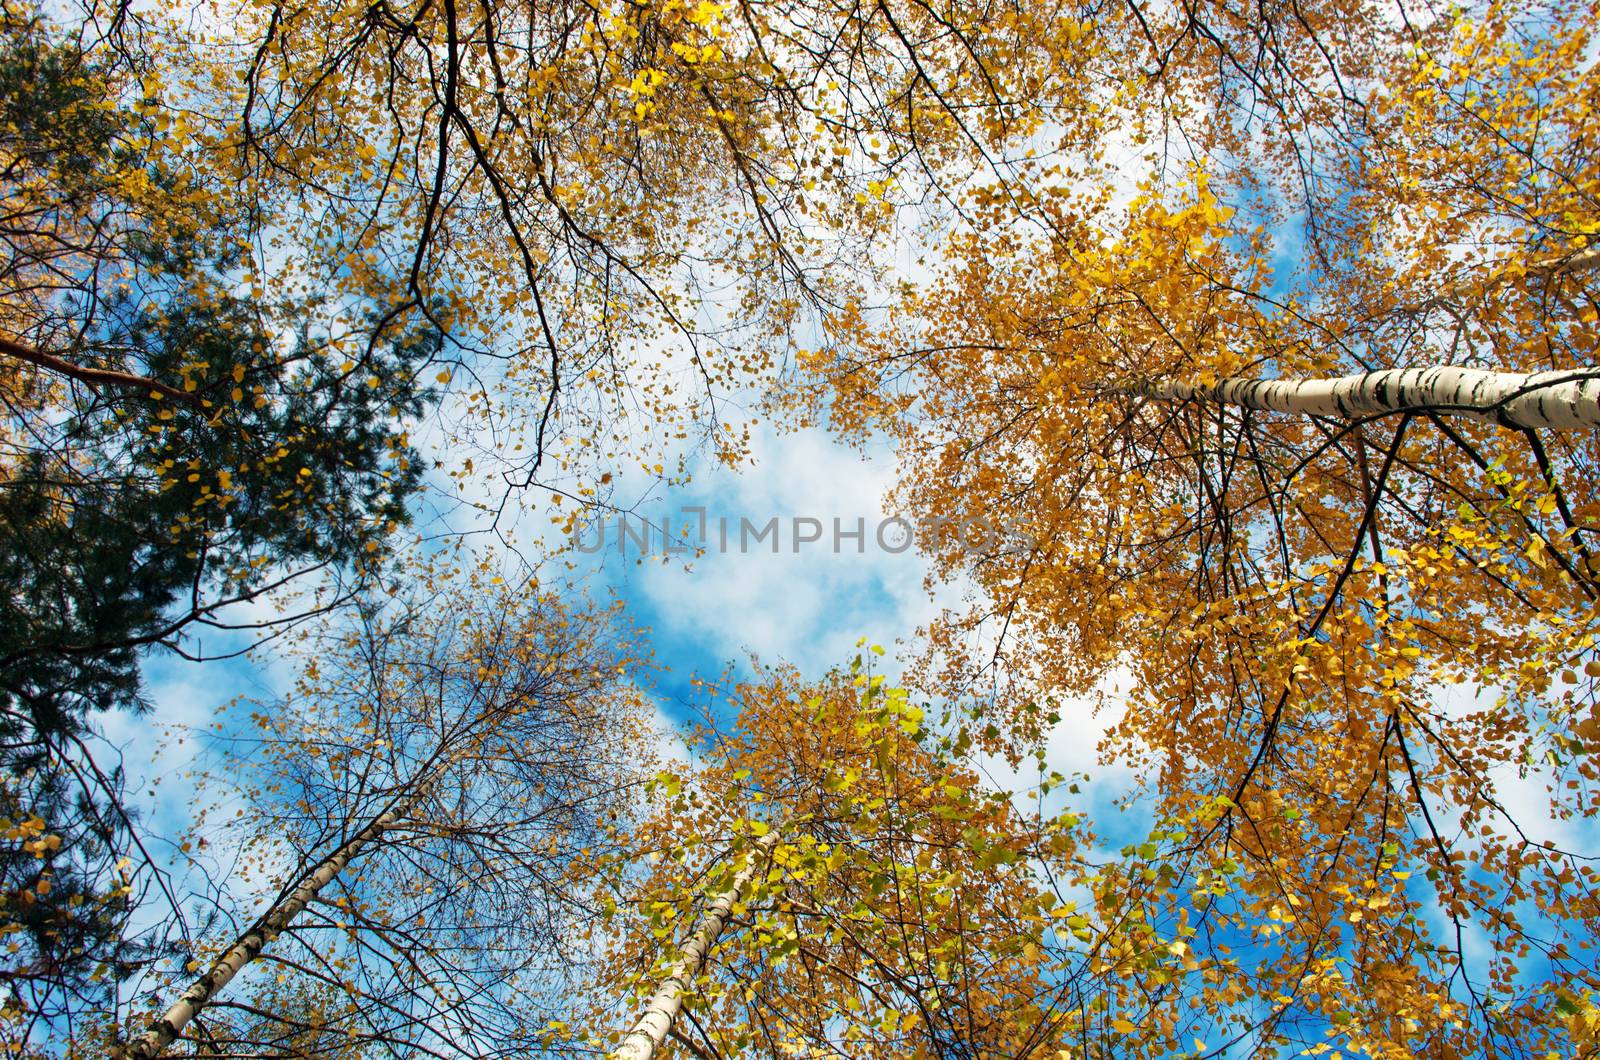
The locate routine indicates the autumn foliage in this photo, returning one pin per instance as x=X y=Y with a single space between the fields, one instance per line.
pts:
x=1271 y=329
x=1344 y=632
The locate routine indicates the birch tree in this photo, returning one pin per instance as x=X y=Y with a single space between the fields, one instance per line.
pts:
x=410 y=810
x=1278 y=455
x=661 y=1012
x=248 y=241
x=827 y=878
x=569 y=190
x=141 y=490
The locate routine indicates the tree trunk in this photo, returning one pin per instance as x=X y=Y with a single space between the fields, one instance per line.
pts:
x=662 y=1011
x=1559 y=400
x=164 y=1031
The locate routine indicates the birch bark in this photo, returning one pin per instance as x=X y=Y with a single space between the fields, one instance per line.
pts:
x=1567 y=400
x=165 y=1030
x=661 y=1013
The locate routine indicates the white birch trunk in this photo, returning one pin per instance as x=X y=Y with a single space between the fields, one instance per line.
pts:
x=164 y=1031
x=1557 y=400
x=662 y=1011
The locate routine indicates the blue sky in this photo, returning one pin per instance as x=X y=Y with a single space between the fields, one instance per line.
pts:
x=807 y=606
x=806 y=603
x=769 y=595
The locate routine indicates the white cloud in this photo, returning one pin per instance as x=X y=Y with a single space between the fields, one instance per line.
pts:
x=808 y=601
x=1072 y=749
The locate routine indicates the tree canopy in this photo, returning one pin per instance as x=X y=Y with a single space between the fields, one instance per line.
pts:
x=1300 y=436
x=1271 y=330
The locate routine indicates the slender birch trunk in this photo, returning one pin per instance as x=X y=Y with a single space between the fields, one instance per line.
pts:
x=662 y=1011
x=164 y=1031
x=1559 y=400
